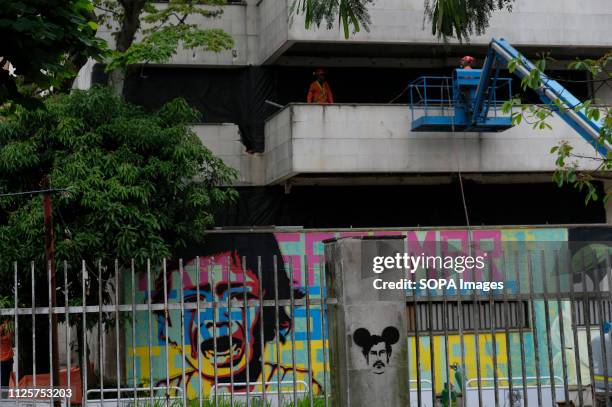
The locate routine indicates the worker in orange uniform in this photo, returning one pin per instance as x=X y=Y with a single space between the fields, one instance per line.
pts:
x=319 y=91
x=6 y=352
x=466 y=62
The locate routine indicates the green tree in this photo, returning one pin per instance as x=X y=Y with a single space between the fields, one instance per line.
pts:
x=462 y=18
x=138 y=184
x=568 y=170
x=449 y=18
x=148 y=32
x=45 y=42
x=48 y=41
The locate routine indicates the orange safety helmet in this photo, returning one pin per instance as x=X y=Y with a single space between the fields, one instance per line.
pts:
x=320 y=71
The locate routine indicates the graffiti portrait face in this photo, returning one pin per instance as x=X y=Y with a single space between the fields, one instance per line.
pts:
x=225 y=344
x=378 y=358
x=224 y=280
x=377 y=349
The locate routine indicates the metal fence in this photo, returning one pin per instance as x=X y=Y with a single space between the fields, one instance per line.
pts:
x=224 y=332
x=253 y=332
x=543 y=340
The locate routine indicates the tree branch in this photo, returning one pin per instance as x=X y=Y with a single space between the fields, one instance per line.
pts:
x=601 y=177
x=603 y=160
x=105 y=9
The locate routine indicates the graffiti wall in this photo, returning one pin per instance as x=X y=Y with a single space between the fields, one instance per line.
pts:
x=228 y=345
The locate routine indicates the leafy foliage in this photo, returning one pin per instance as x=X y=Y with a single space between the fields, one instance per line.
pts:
x=350 y=13
x=462 y=18
x=159 y=46
x=41 y=39
x=568 y=169
x=139 y=184
x=449 y=18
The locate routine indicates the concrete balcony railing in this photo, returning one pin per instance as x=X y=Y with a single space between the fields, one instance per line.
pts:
x=538 y=24
x=338 y=140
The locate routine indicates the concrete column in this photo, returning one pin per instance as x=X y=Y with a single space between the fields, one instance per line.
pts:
x=368 y=327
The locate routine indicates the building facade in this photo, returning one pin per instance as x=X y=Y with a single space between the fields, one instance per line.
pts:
x=360 y=152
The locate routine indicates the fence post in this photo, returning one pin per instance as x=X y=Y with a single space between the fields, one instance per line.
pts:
x=368 y=326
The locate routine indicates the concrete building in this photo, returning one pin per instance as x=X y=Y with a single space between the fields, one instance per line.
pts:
x=356 y=163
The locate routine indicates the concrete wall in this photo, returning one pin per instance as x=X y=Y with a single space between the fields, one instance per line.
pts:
x=223 y=140
x=234 y=22
x=278 y=157
x=377 y=139
x=274 y=28
x=533 y=23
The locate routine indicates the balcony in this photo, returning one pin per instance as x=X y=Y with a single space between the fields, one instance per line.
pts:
x=533 y=25
x=343 y=141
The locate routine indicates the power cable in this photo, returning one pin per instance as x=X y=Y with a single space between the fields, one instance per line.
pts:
x=463 y=200
x=35 y=192
x=458 y=166
x=400 y=95
x=557 y=79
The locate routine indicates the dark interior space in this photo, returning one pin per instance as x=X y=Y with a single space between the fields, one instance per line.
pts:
x=388 y=85
x=351 y=85
x=410 y=205
x=151 y=87
x=238 y=95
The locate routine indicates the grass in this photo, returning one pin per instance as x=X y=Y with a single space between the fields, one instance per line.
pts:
x=225 y=401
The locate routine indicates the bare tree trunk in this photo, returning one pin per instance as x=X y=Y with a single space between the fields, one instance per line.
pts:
x=130 y=23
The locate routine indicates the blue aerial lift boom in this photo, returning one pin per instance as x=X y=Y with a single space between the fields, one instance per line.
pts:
x=471 y=100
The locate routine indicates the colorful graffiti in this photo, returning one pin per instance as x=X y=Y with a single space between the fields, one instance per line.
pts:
x=227 y=271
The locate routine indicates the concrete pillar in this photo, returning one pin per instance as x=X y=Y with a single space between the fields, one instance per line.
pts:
x=367 y=327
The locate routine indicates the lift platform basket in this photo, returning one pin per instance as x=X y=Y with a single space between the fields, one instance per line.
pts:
x=443 y=104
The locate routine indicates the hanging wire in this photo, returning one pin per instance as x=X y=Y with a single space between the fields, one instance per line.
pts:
x=458 y=166
x=400 y=94
x=35 y=192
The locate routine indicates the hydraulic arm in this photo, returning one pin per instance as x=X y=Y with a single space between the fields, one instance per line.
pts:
x=550 y=91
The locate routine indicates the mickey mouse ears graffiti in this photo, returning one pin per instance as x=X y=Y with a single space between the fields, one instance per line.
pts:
x=377 y=349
